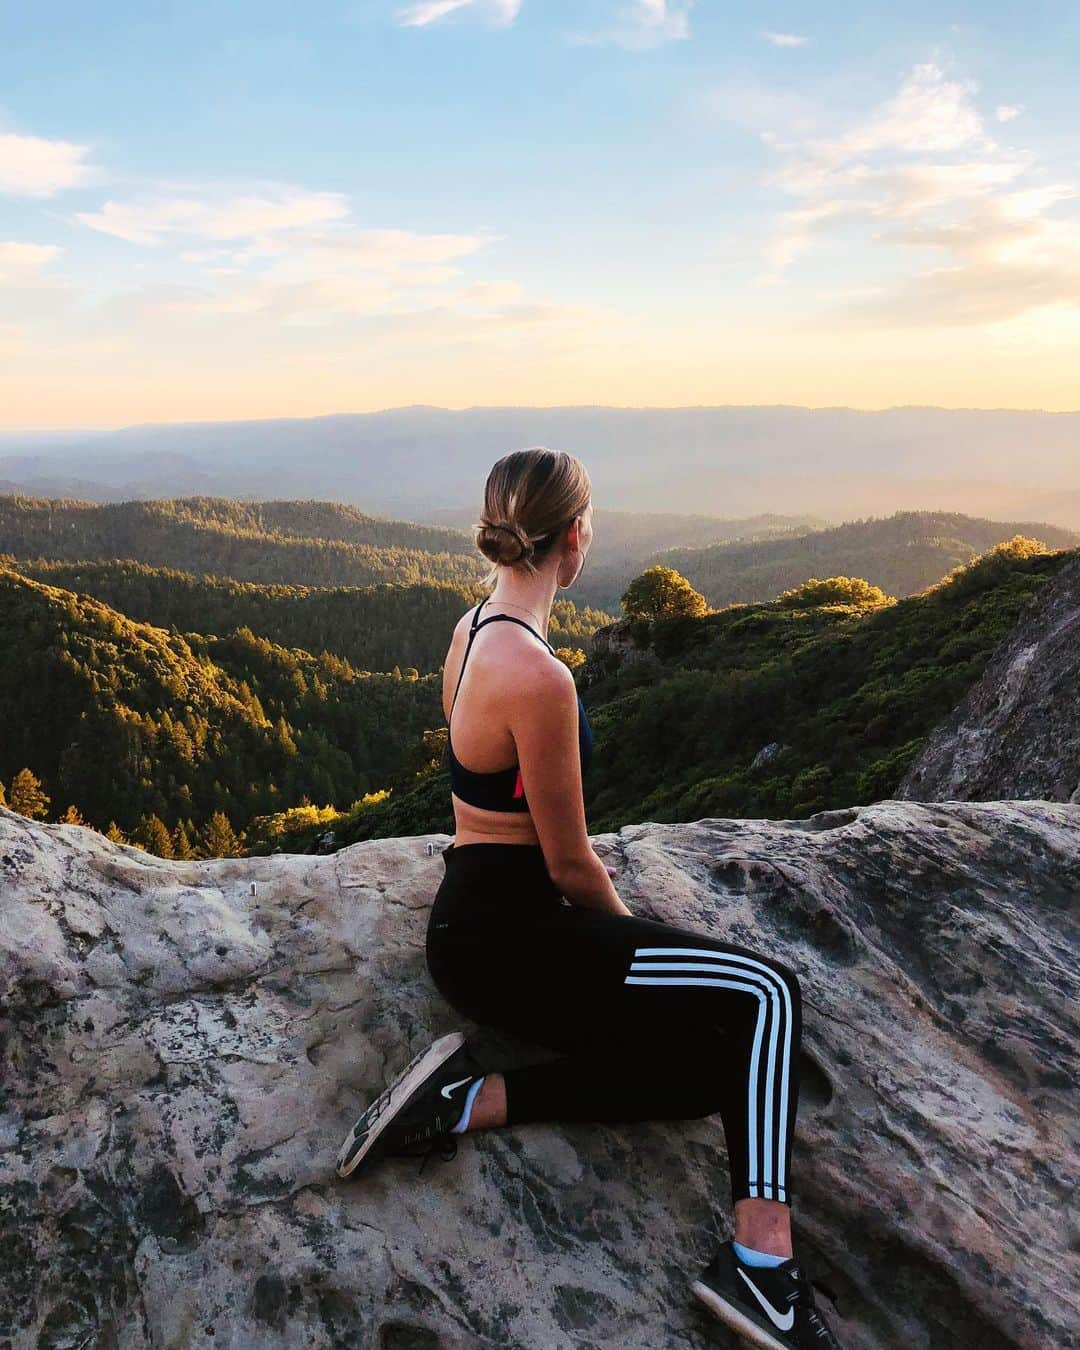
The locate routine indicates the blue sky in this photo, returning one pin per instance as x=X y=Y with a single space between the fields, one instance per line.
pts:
x=261 y=210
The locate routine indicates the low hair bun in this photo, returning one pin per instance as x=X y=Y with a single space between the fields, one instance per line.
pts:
x=530 y=499
x=503 y=542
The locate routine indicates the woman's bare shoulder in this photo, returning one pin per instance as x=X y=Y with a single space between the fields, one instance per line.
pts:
x=461 y=628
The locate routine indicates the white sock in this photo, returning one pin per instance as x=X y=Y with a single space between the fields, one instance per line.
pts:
x=470 y=1097
x=749 y=1256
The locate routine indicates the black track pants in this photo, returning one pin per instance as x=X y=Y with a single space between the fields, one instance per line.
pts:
x=655 y=1022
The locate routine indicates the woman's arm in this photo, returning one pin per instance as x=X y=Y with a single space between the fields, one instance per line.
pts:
x=543 y=720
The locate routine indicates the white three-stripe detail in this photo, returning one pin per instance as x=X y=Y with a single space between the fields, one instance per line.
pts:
x=754 y=1077
x=777 y=982
x=745 y=967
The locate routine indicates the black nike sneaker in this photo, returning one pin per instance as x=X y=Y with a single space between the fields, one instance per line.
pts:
x=771 y=1306
x=412 y=1118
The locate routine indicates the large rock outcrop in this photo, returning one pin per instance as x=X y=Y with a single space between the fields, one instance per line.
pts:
x=181 y=1057
x=1016 y=734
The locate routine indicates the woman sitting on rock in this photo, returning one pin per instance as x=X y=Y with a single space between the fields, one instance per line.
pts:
x=528 y=935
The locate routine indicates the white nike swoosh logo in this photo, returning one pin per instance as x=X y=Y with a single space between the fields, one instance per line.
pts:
x=784 y=1323
x=451 y=1086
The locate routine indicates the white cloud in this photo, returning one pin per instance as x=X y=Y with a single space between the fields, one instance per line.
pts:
x=644 y=24
x=272 y=270
x=22 y=263
x=205 y=255
x=390 y=248
x=493 y=293
x=930 y=113
x=278 y=250
x=501 y=12
x=307 y=276
x=989 y=220
x=31 y=166
x=1005 y=112
x=762 y=109
x=785 y=39
x=639 y=24
x=239 y=215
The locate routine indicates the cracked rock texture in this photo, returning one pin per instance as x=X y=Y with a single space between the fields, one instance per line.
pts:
x=180 y=1060
x=1016 y=734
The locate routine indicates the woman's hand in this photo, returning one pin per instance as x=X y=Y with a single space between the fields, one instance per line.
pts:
x=611 y=871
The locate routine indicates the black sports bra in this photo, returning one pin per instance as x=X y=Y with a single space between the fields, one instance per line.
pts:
x=502 y=790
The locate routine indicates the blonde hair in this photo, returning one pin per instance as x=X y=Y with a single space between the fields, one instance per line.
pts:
x=529 y=498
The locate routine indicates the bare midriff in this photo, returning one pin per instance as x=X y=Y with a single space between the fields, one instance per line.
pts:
x=474 y=825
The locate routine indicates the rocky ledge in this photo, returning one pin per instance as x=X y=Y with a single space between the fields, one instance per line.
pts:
x=181 y=1056
x=1017 y=732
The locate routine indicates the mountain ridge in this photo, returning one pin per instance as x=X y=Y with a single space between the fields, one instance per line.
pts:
x=734 y=459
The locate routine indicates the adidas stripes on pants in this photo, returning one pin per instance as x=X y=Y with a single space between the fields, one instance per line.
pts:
x=654 y=1021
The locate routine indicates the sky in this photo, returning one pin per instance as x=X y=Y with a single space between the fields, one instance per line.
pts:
x=213 y=211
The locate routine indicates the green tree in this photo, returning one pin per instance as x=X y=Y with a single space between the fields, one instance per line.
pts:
x=834 y=591
x=27 y=796
x=283 y=737
x=219 y=838
x=152 y=834
x=181 y=842
x=662 y=593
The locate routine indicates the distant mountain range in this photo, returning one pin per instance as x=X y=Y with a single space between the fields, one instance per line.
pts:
x=728 y=461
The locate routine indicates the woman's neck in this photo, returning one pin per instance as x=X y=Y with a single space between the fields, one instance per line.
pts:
x=535 y=596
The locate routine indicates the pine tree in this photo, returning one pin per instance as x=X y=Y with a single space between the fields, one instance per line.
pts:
x=152 y=834
x=3 y=795
x=27 y=796
x=72 y=816
x=115 y=833
x=219 y=838
x=283 y=737
x=181 y=842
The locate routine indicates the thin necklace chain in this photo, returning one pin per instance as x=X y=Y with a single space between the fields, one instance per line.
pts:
x=515 y=606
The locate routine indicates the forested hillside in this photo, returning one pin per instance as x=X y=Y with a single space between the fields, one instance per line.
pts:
x=625 y=543
x=769 y=709
x=193 y=707
x=373 y=627
x=123 y=720
x=903 y=554
x=326 y=544
x=320 y=545
x=235 y=539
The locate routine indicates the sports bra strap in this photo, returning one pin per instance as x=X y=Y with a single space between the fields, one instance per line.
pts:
x=475 y=628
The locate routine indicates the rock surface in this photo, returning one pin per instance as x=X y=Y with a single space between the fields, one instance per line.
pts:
x=181 y=1058
x=1017 y=732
